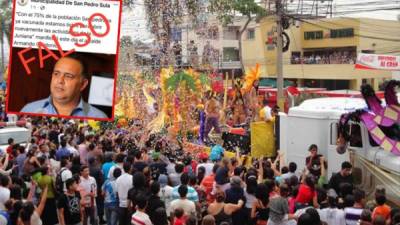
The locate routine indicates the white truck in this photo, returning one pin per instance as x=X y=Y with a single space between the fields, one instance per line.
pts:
x=315 y=121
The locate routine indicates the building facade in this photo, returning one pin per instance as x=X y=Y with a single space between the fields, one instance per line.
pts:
x=322 y=52
x=212 y=45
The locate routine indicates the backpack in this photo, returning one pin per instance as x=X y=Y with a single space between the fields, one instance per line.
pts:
x=59 y=184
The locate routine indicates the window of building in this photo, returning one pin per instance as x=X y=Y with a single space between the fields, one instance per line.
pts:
x=213 y=33
x=230 y=54
x=296 y=58
x=176 y=34
x=231 y=33
x=368 y=51
x=312 y=35
x=342 y=33
x=251 y=34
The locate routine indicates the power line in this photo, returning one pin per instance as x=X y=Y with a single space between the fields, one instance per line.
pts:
x=330 y=28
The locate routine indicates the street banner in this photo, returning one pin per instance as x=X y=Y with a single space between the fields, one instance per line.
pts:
x=64 y=55
x=378 y=62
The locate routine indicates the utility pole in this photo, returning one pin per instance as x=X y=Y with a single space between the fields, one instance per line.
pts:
x=2 y=47
x=279 y=67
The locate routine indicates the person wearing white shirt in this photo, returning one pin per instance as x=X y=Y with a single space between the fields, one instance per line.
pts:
x=124 y=183
x=188 y=206
x=64 y=172
x=4 y=190
x=265 y=114
x=88 y=189
x=332 y=215
x=165 y=193
x=119 y=164
x=203 y=157
x=140 y=217
x=353 y=214
x=292 y=172
x=71 y=148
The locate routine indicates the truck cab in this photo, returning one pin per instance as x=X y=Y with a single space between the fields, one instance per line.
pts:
x=315 y=121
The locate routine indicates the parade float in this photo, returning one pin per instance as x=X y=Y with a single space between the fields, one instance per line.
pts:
x=169 y=99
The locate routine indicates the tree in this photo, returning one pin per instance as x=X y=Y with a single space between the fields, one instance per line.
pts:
x=226 y=10
x=162 y=15
x=5 y=17
x=126 y=42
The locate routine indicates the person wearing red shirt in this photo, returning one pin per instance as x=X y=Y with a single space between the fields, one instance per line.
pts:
x=10 y=148
x=382 y=209
x=307 y=195
x=207 y=184
x=180 y=217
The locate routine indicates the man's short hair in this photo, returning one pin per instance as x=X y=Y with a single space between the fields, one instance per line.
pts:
x=185 y=178
x=380 y=199
x=358 y=195
x=346 y=165
x=120 y=158
x=141 y=201
x=284 y=169
x=83 y=167
x=127 y=167
x=138 y=155
x=117 y=172
x=292 y=167
x=312 y=147
x=78 y=57
x=155 y=187
x=69 y=182
x=182 y=190
x=10 y=141
x=178 y=213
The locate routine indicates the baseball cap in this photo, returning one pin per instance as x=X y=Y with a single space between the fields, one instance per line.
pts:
x=163 y=180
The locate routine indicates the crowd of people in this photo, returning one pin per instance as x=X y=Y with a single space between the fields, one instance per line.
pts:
x=337 y=57
x=70 y=173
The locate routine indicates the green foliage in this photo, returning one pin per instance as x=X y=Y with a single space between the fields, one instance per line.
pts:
x=227 y=9
x=204 y=79
x=126 y=42
x=174 y=81
x=161 y=14
x=5 y=15
x=128 y=3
